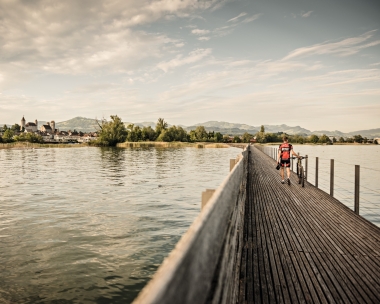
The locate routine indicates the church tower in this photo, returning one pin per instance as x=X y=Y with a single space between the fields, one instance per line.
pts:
x=22 y=123
x=52 y=126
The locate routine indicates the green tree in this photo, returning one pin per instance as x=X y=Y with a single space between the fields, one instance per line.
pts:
x=236 y=139
x=29 y=137
x=111 y=132
x=358 y=138
x=313 y=139
x=350 y=140
x=134 y=133
x=375 y=142
x=8 y=136
x=341 y=140
x=201 y=133
x=324 y=139
x=148 y=134
x=365 y=140
x=247 y=137
x=161 y=125
x=262 y=129
x=226 y=139
x=16 y=128
x=5 y=127
x=334 y=140
x=218 y=137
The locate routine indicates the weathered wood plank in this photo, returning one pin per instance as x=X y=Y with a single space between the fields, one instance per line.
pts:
x=328 y=253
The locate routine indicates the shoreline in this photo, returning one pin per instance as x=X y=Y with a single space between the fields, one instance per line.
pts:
x=31 y=146
x=174 y=144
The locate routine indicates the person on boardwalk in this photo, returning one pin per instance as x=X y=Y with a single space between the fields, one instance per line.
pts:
x=283 y=158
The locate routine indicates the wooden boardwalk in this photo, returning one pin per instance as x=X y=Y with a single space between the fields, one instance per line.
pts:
x=301 y=245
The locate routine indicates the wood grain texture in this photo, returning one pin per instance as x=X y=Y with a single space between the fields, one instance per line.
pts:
x=312 y=248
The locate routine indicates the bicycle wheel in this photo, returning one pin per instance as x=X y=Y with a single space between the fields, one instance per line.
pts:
x=303 y=177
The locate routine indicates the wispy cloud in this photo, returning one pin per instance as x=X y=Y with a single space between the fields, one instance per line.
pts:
x=180 y=60
x=307 y=14
x=200 y=32
x=344 y=47
x=204 y=38
x=253 y=18
x=237 y=17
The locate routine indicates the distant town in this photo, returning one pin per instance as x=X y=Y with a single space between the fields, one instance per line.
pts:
x=46 y=133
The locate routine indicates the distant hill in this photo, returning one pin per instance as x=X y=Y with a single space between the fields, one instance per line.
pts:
x=88 y=125
x=78 y=123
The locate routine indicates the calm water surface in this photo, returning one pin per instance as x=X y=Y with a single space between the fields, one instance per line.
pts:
x=89 y=225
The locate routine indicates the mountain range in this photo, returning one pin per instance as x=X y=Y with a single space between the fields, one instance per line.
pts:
x=89 y=125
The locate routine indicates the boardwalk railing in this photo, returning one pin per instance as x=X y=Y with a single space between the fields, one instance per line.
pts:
x=208 y=255
x=328 y=175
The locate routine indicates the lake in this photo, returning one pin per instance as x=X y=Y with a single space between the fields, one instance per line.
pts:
x=92 y=225
x=85 y=225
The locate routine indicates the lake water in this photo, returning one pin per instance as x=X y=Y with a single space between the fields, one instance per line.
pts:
x=85 y=225
x=345 y=158
x=92 y=225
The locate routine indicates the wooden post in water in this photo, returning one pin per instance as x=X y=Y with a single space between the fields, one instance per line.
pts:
x=232 y=163
x=331 y=177
x=316 y=172
x=357 y=188
x=206 y=195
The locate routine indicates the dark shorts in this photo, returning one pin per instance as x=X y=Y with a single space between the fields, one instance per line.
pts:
x=285 y=162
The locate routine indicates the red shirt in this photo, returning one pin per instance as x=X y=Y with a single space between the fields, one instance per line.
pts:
x=285 y=149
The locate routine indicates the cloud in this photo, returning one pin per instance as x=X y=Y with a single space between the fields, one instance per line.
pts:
x=307 y=14
x=203 y=38
x=344 y=47
x=70 y=37
x=237 y=17
x=192 y=57
x=253 y=18
x=200 y=32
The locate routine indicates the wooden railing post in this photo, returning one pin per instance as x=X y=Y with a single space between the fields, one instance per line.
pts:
x=306 y=166
x=291 y=160
x=332 y=177
x=316 y=172
x=357 y=188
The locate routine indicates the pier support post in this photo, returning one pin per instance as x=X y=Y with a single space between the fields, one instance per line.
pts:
x=357 y=188
x=206 y=195
x=331 y=177
x=232 y=163
x=316 y=172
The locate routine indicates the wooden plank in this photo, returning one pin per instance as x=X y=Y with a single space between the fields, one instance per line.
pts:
x=339 y=259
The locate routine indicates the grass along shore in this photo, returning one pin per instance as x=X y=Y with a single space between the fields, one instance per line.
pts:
x=147 y=144
x=27 y=145
x=174 y=144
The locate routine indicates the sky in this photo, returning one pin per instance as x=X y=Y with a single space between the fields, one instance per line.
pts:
x=314 y=64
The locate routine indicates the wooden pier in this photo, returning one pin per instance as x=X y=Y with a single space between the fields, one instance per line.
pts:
x=260 y=241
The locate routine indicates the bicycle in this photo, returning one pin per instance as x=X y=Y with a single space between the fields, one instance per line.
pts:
x=301 y=173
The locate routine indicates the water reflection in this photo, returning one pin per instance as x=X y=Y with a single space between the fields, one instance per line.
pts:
x=113 y=165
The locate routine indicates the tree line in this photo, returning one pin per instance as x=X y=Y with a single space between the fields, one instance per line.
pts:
x=13 y=134
x=114 y=131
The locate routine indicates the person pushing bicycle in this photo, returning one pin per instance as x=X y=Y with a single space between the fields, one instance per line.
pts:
x=283 y=158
